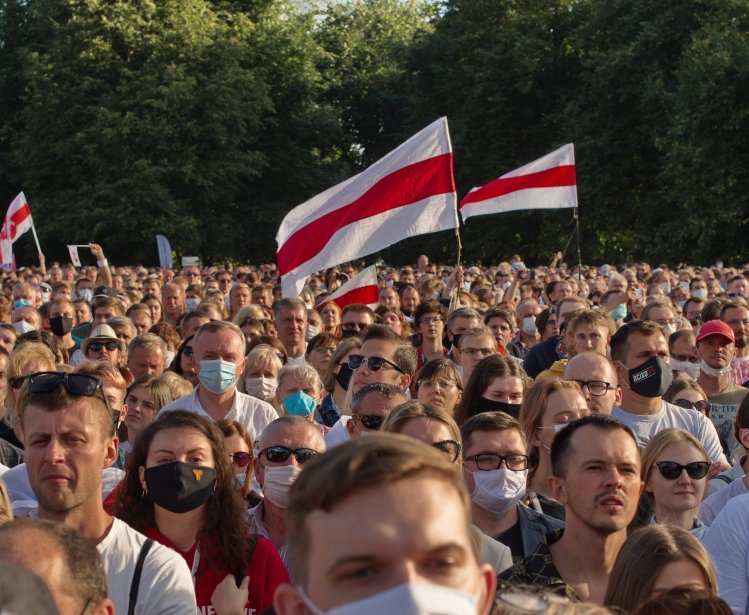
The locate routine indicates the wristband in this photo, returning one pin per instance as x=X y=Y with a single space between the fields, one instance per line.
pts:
x=102 y=263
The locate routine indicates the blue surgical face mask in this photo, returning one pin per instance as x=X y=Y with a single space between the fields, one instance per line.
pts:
x=18 y=303
x=699 y=293
x=217 y=375
x=300 y=404
x=619 y=312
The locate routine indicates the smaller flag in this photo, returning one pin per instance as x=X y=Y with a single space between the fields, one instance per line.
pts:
x=17 y=222
x=165 y=251
x=74 y=258
x=362 y=288
x=547 y=183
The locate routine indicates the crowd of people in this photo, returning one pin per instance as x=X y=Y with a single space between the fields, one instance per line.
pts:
x=486 y=439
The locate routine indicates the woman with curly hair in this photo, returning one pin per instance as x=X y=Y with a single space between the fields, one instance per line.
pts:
x=180 y=491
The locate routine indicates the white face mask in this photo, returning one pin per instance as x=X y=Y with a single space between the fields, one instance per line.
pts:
x=311 y=332
x=191 y=303
x=497 y=491
x=406 y=599
x=668 y=330
x=715 y=372
x=278 y=481
x=169 y=358
x=529 y=325
x=261 y=387
x=23 y=327
x=693 y=369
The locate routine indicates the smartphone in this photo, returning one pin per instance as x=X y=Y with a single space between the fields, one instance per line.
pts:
x=638 y=294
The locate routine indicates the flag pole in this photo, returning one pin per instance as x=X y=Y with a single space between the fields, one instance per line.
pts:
x=579 y=256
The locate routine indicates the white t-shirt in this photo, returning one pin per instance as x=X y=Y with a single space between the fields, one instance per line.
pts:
x=688 y=419
x=166 y=586
x=716 y=502
x=727 y=542
x=253 y=413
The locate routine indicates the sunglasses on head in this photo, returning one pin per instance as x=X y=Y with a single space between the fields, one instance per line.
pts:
x=371 y=421
x=97 y=346
x=671 y=470
x=241 y=459
x=279 y=454
x=374 y=364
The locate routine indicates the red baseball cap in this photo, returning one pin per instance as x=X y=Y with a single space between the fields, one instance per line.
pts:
x=716 y=327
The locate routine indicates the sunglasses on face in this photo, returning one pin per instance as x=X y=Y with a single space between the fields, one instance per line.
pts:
x=97 y=346
x=374 y=364
x=187 y=351
x=241 y=459
x=354 y=326
x=451 y=448
x=17 y=382
x=279 y=454
x=671 y=470
x=371 y=421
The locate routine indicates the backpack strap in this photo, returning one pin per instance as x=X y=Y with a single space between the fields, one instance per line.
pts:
x=135 y=585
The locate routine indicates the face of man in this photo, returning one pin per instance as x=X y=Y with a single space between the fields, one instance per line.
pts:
x=589 y=337
x=387 y=374
x=431 y=326
x=224 y=282
x=173 y=300
x=224 y=344
x=388 y=296
x=505 y=442
x=474 y=348
x=561 y=290
x=103 y=313
x=82 y=312
x=123 y=332
x=146 y=361
x=240 y=296
x=602 y=484
x=740 y=286
x=292 y=326
x=3 y=378
x=592 y=370
x=262 y=296
x=410 y=299
x=356 y=321
x=684 y=349
x=501 y=330
x=66 y=453
x=738 y=319
x=374 y=405
x=406 y=541
x=716 y=350
x=291 y=437
x=663 y=315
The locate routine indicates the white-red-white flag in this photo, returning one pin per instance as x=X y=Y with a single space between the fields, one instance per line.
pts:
x=17 y=222
x=546 y=183
x=362 y=288
x=411 y=191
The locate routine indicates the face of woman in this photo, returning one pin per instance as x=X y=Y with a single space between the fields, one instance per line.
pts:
x=7 y=340
x=551 y=328
x=141 y=411
x=431 y=431
x=391 y=320
x=680 y=573
x=441 y=391
x=236 y=444
x=319 y=358
x=155 y=310
x=291 y=385
x=508 y=389
x=261 y=370
x=330 y=317
x=682 y=493
x=501 y=330
x=562 y=407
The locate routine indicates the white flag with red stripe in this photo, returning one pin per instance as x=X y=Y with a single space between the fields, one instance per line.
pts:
x=411 y=191
x=17 y=222
x=547 y=183
x=362 y=288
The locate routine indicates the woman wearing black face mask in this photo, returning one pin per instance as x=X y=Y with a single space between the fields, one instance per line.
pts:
x=497 y=383
x=336 y=380
x=179 y=490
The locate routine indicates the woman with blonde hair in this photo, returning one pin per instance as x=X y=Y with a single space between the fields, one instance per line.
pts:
x=145 y=397
x=300 y=391
x=549 y=405
x=331 y=315
x=393 y=317
x=260 y=376
x=655 y=559
x=674 y=470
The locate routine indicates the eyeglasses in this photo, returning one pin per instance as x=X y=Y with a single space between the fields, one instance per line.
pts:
x=371 y=421
x=430 y=385
x=428 y=320
x=17 y=382
x=700 y=405
x=598 y=388
x=374 y=364
x=241 y=459
x=97 y=346
x=489 y=461
x=279 y=454
x=484 y=352
x=671 y=470
x=325 y=349
x=354 y=326
x=190 y=274
x=449 y=447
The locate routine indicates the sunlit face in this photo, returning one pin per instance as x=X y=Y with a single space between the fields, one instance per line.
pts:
x=507 y=389
x=430 y=431
x=501 y=330
x=391 y=320
x=562 y=407
x=141 y=410
x=680 y=494
x=331 y=316
x=440 y=390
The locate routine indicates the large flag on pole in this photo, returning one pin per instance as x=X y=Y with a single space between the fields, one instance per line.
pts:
x=362 y=288
x=546 y=183
x=411 y=191
x=17 y=222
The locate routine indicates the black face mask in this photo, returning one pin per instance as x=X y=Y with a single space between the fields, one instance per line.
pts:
x=59 y=325
x=343 y=377
x=180 y=487
x=490 y=405
x=651 y=378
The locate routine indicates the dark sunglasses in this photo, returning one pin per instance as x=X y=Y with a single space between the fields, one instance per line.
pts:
x=354 y=326
x=75 y=384
x=279 y=454
x=241 y=459
x=17 y=382
x=187 y=351
x=449 y=447
x=97 y=346
x=374 y=364
x=701 y=405
x=671 y=470
x=371 y=421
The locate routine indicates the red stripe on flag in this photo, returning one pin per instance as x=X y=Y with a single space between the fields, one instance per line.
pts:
x=363 y=294
x=563 y=175
x=404 y=186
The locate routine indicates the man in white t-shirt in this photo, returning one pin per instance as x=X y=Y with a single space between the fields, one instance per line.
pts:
x=218 y=355
x=639 y=352
x=736 y=315
x=291 y=327
x=69 y=437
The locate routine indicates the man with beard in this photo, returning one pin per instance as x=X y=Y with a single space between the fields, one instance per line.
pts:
x=736 y=316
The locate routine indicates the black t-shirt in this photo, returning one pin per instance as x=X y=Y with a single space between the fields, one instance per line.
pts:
x=513 y=538
x=7 y=434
